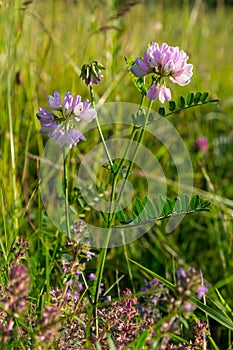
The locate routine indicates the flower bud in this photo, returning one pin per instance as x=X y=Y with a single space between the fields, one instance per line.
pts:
x=91 y=73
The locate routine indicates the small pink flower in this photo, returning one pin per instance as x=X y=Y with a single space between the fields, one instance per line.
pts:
x=72 y=111
x=202 y=291
x=201 y=144
x=163 y=61
x=161 y=92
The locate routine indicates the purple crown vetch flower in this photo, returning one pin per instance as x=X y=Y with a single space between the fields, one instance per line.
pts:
x=163 y=61
x=60 y=123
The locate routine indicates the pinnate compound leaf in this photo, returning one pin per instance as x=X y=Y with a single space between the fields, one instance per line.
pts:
x=199 y=204
x=158 y=209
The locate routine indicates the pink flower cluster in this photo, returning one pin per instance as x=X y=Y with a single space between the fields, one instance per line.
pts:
x=163 y=61
x=62 y=129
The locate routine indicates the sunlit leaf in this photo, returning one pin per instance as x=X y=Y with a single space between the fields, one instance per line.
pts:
x=151 y=209
x=185 y=200
x=197 y=97
x=204 y=96
x=181 y=101
x=190 y=98
x=161 y=111
x=172 y=106
x=195 y=201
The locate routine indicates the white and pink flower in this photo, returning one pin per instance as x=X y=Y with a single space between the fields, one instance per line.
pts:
x=63 y=129
x=163 y=61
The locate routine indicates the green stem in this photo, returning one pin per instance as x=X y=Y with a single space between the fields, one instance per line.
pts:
x=99 y=128
x=122 y=162
x=10 y=35
x=134 y=155
x=66 y=192
x=103 y=253
x=112 y=209
x=100 y=270
x=132 y=136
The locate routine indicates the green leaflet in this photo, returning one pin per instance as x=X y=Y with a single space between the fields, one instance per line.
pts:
x=192 y=100
x=161 y=208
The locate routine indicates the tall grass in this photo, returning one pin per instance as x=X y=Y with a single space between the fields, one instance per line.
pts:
x=43 y=46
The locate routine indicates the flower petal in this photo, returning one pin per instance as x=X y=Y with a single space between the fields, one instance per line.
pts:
x=153 y=92
x=78 y=109
x=55 y=100
x=88 y=114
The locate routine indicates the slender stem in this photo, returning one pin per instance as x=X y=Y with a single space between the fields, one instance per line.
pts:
x=117 y=172
x=103 y=252
x=10 y=49
x=99 y=128
x=100 y=270
x=132 y=136
x=112 y=209
x=66 y=191
x=135 y=154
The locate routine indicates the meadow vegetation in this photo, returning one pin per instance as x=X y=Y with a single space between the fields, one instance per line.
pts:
x=43 y=46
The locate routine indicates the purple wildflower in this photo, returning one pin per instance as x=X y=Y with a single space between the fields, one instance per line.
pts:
x=108 y=298
x=90 y=255
x=161 y=92
x=181 y=273
x=55 y=100
x=69 y=138
x=202 y=291
x=163 y=61
x=201 y=144
x=79 y=286
x=187 y=307
x=49 y=325
x=70 y=102
x=63 y=128
x=92 y=276
x=47 y=121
